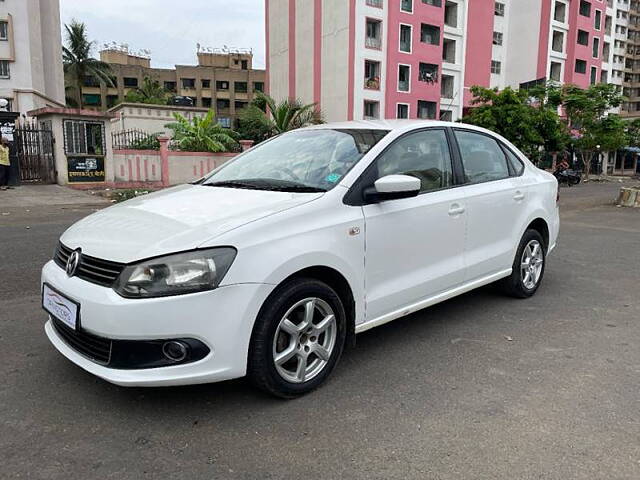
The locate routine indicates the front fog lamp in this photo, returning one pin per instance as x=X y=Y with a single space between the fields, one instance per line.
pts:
x=177 y=274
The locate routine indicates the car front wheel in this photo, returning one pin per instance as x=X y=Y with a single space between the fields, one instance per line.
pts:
x=298 y=338
x=528 y=266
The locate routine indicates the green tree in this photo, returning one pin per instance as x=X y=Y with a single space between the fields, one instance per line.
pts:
x=508 y=113
x=78 y=63
x=150 y=92
x=595 y=129
x=265 y=117
x=202 y=134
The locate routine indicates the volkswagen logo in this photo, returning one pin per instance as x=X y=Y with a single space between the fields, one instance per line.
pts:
x=73 y=262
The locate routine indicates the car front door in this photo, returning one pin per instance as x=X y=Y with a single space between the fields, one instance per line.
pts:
x=414 y=246
x=495 y=205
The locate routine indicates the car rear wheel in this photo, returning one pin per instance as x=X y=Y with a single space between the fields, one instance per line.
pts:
x=528 y=266
x=298 y=338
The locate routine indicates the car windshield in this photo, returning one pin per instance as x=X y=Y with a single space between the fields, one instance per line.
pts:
x=298 y=161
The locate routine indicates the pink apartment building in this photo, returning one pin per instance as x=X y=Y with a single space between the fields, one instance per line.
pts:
x=362 y=59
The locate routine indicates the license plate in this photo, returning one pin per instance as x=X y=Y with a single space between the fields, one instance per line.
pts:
x=60 y=306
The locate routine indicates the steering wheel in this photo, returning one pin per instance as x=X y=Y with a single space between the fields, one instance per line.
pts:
x=289 y=172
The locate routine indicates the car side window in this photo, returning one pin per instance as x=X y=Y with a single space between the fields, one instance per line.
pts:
x=424 y=155
x=482 y=158
x=516 y=163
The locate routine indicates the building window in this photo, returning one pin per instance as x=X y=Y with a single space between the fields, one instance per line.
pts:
x=375 y=3
x=240 y=87
x=206 y=83
x=244 y=64
x=433 y=3
x=451 y=14
x=555 y=72
x=446 y=86
x=4 y=30
x=428 y=72
x=405 y=38
x=585 y=8
x=446 y=115
x=499 y=9
x=5 y=71
x=427 y=109
x=497 y=38
x=604 y=76
x=170 y=86
x=222 y=85
x=188 y=83
x=597 y=21
x=83 y=138
x=371 y=109
x=130 y=82
x=560 y=12
x=222 y=103
x=596 y=47
x=594 y=75
x=206 y=102
x=239 y=105
x=404 y=78
x=557 y=41
x=406 y=6
x=372 y=75
x=402 y=110
x=496 y=67
x=583 y=37
x=91 y=100
x=581 y=66
x=258 y=86
x=112 y=100
x=373 y=37
x=449 y=50
x=430 y=34
x=225 y=122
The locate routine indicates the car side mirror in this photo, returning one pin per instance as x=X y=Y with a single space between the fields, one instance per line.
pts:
x=392 y=187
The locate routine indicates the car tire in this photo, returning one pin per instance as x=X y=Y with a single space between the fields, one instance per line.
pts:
x=289 y=359
x=528 y=266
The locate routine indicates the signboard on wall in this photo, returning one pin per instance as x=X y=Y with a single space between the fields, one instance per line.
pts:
x=85 y=169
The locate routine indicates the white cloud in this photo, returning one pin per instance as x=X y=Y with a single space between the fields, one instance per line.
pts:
x=172 y=29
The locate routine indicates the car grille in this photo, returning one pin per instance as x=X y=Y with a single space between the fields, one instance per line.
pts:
x=91 y=269
x=95 y=348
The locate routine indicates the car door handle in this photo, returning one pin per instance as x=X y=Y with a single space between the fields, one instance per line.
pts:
x=456 y=210
x=518 y=196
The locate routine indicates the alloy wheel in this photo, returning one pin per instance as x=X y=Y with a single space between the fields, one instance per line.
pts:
x=304 y=340
x=531 y=264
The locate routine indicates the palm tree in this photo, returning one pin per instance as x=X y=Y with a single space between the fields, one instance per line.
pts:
x=202 y=134
x=290 y=114
x=150 y=92
x=78 y=63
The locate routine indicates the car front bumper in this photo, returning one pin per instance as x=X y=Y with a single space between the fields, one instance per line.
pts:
x=222 y=319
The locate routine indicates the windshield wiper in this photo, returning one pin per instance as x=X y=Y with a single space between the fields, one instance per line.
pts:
x=272 y=185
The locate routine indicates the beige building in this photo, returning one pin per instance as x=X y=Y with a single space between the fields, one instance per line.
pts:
x=31 y=74
x=224 y=81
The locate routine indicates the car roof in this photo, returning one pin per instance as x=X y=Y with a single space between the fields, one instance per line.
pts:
x=391 y=125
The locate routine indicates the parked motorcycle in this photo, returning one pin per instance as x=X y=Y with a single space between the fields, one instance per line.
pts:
x=567 y=176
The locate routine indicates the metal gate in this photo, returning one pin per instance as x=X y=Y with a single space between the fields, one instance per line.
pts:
x=35 y=149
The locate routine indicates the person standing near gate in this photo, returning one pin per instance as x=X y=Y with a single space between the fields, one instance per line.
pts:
x=4 y=163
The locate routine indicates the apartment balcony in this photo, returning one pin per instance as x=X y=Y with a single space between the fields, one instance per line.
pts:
x=375 y=3
x=371 y=42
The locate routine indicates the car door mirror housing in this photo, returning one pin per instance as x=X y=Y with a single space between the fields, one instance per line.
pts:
x=392 y=187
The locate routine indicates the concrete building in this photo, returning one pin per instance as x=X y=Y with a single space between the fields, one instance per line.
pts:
x=31 y=74
x=225 y=81
x=419 y=58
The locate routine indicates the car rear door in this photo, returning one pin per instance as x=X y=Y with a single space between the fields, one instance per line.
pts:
x=414 y=246
x=495 y=199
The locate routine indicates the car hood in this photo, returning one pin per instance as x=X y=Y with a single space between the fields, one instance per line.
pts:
x=177 y=219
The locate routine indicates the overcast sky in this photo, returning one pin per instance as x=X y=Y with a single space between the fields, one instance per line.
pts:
x=171 y=29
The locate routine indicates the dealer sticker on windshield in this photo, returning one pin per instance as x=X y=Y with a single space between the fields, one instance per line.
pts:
x=59 y=306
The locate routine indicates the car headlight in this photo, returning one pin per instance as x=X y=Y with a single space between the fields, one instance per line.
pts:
x=176 y=274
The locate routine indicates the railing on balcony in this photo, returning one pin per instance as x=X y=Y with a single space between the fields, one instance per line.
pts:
x=373 y=42
x=375 y=3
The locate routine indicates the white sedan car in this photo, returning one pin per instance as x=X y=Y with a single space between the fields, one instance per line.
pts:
x=270 y=265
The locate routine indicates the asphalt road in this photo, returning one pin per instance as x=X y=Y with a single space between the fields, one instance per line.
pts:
x=480 y=387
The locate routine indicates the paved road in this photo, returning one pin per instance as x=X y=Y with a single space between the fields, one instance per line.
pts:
x=479 y=387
